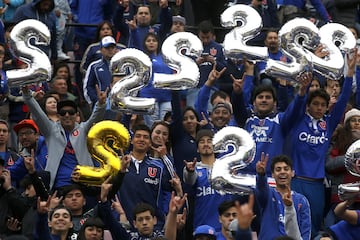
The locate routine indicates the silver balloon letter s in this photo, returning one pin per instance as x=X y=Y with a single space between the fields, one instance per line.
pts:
x=176 y=50
x=38 y=63
x=135 y=68
x=224 y=174
x=235 y=41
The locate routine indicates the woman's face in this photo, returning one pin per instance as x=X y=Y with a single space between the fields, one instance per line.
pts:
x=50 y=105
x=160 y=135
x=189 y=122
x=151 y=44
x=314 y=85
x=60 y=221
x=105 y=30
x=93 y=233
x=355 y=123
x=63 y=72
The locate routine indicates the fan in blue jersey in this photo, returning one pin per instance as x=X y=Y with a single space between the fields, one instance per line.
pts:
x=274 y=202
x=311 y=134
x=197 y=174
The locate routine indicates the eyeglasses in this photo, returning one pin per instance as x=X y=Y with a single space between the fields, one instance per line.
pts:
x=63 y=112
x=26 y=134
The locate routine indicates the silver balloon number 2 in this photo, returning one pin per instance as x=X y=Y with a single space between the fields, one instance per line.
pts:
x=177 y=50
x=239 y=150
x=38 y=64
x=133 y=68
x=246 y=23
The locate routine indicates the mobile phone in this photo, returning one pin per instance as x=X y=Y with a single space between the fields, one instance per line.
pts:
x=205 y=54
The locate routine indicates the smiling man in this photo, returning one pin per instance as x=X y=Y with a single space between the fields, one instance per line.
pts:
x=275 y=202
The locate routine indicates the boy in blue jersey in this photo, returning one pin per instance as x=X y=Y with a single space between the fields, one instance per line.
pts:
x=274 y=202
x=144 y=180
x=197 y=174
x=311 y=134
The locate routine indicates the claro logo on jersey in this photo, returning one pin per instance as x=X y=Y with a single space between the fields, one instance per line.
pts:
x=204 y=191
x=306 y=137
x=152 y=174
x=259 y=134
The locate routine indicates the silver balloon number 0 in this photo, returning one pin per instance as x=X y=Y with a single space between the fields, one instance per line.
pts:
x=250 y=25
x=176 y=50
x=38 y=64
x=133 y=69
x=239 y=148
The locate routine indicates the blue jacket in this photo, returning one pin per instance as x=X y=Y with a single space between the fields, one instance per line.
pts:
x=90 y=12
x=273 y=213
x=99 y=74
x=268 y=132
x=312 y=142
x=318 y=5
x=345 y=231
x=30 y=11
x=18 y=170
x=11 y=8
x=149 y=91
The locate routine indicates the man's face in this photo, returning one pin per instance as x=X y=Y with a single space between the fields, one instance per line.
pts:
x=30 y=191
x=264 y=103
x=108 y=52
x=45 y=6
x=74 y=200
x=93 y=233
x=143 y=16
x=60 y=221
x=317 y=107
x=282 y=174
x=4 y=134
x=141 y=141
x=206 y=38
x=67 y=117
x=205 y=146
x=60 y=86
x=333 y=88
x=144 y=223
x=177 y=27
x=27 y=137
x=226 y=218
x=220 y=117
x=272 y=41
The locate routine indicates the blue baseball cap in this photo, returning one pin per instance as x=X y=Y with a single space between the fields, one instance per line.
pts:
x=205 y=230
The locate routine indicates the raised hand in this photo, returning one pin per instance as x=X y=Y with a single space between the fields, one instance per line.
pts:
x=29 y=162
x=13 y=224
x=102 y=95
x=125 y=162
x=105 y=189
x=286 y=197
x=214 y=75
x=245 y=213
x=190 y=166
x=261 y=165
x=43 y=207
x=237 y=84
x=55 y=200
x=181 y=219
x=204 y=121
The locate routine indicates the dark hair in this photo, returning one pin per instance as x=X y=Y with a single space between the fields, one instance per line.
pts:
x=143 y=207
x=225 y=205
x=264 y=88
x=72 y=187
x=98 y=29
x=90 y=222
x=165 y=124
x=206 y=27
x=151 y=34
x=343 y=138
x=142 y=127
x=51 y=213
x=220 y=94
x=270 y=30
x=318 y=93
x=280 y=158
x=45 y=98
x=59 y=65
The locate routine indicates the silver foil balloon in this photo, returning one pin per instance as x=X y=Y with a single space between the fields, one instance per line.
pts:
x=176 y=50
x=296 y=37
x=246 y=23
x=349 y=191
x=338 y=40
x=224 y=176
x=352 y=159
x=135 y=68
x=38 y=64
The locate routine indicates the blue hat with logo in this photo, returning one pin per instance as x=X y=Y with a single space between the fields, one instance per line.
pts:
x=205 y=230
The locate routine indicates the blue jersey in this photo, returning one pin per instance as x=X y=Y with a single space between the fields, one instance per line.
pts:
x=144 y=184
x=312 y=137
x=345 y=231
x=273 y=211
x=207 y=199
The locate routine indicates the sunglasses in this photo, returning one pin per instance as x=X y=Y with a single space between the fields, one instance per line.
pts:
x=63 y=112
